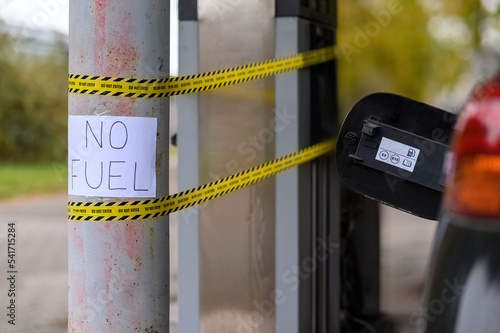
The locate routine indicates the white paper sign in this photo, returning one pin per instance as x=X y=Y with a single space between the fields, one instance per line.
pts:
x=112 y=156
x=397 y=154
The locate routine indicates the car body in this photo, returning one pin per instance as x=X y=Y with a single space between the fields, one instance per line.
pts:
x=462 y=292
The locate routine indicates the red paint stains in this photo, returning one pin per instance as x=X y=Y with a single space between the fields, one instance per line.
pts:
x=132 y=241
x=77 y=239
x=100 y=32
x=79 y=293
x=124 y=107
x=79 y=104
x=152 y=237
x=121 y=61
x=111 y=276
x=115 y=52
x=107 y=253
x=77 y=301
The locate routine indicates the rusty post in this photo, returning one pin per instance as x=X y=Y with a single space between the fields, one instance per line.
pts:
x=119 y=271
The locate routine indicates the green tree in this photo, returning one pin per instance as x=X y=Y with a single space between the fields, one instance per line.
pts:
x=33 y=103
x=414 y=48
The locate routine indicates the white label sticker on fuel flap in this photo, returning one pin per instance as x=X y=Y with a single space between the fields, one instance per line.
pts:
x=397 y=154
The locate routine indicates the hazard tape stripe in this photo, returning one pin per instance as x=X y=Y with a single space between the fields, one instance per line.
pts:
x=158 y=88
x=152 y=208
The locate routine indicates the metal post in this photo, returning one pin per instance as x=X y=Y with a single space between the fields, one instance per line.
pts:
x=293 y=188
x=189 y=251
x=226 y=248
x=119 y=271
x=307 y=205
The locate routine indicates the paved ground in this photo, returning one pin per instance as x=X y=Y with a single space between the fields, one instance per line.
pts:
x=406 y=242
x=42 y=264
x=42 y=254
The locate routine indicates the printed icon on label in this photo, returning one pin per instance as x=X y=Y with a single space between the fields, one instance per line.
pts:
x=411 y=152
x=395 y=159
x=407 y=163
x=383 y=154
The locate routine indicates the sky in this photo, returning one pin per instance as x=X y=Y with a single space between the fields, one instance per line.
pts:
x=36 y=14
x=54 y=15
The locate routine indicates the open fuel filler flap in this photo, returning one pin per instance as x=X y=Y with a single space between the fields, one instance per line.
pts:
x=392 y=149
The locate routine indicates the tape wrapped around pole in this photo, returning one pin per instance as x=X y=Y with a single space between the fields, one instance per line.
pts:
x=174 y=86
x=153 y=208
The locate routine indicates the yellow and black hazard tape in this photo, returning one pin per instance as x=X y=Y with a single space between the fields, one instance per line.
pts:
x=158 y=88
x=152 y=208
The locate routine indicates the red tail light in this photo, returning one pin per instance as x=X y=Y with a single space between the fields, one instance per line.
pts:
x=473 y=183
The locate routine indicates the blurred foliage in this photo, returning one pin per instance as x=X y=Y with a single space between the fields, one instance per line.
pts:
x=33 y=103
x=414 y=48
x=23 y=179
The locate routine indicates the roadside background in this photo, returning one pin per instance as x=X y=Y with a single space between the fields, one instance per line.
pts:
x=42 y=263
x=428 y=50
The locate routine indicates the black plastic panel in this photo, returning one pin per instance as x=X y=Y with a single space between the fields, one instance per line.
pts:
x=188 y=10
x=323 y=88
x=321 y=11
x=421 y=127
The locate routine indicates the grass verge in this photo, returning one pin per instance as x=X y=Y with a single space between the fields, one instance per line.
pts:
x=19 y=179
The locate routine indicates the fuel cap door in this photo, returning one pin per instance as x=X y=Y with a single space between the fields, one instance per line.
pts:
x=392 y=149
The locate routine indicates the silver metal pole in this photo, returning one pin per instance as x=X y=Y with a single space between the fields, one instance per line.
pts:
x=118 y=271
x=189 y=155
x=293 y=189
